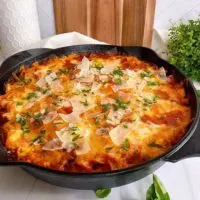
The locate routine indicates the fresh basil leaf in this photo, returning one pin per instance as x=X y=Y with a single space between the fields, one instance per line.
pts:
x=160 y=190
x=157 y=190
x=103 y=192
x=151 y=194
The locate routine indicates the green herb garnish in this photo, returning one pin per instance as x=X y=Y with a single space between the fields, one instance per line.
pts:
x=103 y=192
x=97 y=120
x=23 y=123
x=98 y=67
x=63 y=71
x=152 y=83
x=76 y=137
x=73 y=128
x=146 y=74
x=148 y=102
x=19 y=103
x=118 y=81
x=45 y=90
x=27 y=114
x=24 y=81
x=120 y=104
x=85 y=90
x=38 y=140
x=118 y=72
x=125 y=126
x=107 y=149
x=183 y=47
x=157 y=190
x=38 y=117
x=106 y=107
x=125 y=145
x=49 y=71
x=85 y=102
x=154 y=144
x=38 y=88
x=31 y=95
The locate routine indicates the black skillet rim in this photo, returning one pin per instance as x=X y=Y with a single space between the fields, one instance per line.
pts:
x=162 y=157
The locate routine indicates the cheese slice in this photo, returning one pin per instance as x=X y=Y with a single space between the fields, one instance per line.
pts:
x=119 y=134
x=115 y=117
x=84 y=67
x=81 y=144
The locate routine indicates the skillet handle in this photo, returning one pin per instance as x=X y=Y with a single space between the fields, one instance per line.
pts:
x=190 y=149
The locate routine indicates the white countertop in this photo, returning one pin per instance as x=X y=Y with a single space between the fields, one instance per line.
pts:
x=182 y=179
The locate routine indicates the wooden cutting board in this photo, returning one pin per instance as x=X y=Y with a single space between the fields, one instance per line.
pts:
x=122 y=22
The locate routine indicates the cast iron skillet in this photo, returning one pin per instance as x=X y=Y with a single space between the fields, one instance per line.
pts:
x=188 y=146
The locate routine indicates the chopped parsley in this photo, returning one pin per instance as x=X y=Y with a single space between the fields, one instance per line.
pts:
x=38 y=88
x=106 y=107
x=85 y=90
x=85 y=102
x=97 y=120
x=38 y=140
x=98 y=67
x=23 y=123
x=154 y=144
x=107 y=149
x=21 y=120
x=146 y=74
x=156 y=97
x=45 y=90
x=24 y=81
x=27 y=114
x=148 y=102
x=120 y=104
x=31 y=95
x=118 y=72
x=63 y=71
x=19 y=103
x=73 y=128
x=152 y=83
x=125 y=126
x=125 y=145
x=118 y=81
x=49 y=71
x=38 y=117
x=76 y=137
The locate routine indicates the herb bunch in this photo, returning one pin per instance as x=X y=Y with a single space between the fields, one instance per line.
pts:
x=183 y=47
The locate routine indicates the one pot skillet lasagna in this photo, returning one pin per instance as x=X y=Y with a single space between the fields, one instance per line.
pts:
x=92 y=112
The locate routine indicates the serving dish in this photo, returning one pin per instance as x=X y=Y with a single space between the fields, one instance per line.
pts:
x=114 y=178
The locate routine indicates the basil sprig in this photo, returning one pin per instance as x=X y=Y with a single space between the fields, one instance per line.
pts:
x=157 y=190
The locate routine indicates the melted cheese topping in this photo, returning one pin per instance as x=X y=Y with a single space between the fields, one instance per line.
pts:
x=97 y=112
